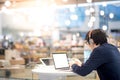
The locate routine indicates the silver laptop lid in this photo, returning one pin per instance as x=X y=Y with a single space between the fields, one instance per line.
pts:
x=60 y=61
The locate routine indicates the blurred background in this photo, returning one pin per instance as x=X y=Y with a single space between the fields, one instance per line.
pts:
x=33 y=29
x=54 y=19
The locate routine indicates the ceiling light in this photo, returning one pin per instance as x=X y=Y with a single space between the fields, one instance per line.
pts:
x=102 y=12
x=72 y=9
x=7 y=3
x=92 y=19
x=65 y=0
x=87 y=12
x=74 y=17
x=92 y=9
x=104 y=4
x=89 y=1
x=67 y=22
x=111 y=15
x=90 y=24
x=104 y=27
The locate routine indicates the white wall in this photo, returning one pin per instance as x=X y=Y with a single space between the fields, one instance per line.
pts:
x=114 y=25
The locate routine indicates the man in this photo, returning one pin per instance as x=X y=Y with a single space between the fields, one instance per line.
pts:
x=105 y=57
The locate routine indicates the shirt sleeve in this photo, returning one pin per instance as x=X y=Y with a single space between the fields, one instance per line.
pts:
x=94 y=61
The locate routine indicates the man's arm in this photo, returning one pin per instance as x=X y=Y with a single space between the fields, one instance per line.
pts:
x=94 y=61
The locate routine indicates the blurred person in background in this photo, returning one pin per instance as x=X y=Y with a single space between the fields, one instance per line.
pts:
x=5 y=42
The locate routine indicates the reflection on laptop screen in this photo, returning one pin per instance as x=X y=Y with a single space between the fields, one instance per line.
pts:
x=47 y=61
x=60 y=60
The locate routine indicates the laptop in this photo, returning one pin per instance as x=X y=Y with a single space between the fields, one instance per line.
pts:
x=61 y=61
x=47 y=61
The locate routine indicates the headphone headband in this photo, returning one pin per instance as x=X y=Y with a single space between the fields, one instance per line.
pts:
x=90 y=41
x=90 y=34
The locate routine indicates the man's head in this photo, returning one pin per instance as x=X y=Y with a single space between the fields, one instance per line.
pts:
x=96 y=36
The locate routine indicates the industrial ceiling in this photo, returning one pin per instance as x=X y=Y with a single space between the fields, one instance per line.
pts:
x=25 y=3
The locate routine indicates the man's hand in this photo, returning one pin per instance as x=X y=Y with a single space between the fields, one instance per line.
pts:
x=75 y=61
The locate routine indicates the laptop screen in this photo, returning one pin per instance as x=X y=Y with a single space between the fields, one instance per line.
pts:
x=47 y=61
x=60 y=60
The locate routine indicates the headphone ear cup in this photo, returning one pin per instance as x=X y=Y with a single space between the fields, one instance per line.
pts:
x=91 y=41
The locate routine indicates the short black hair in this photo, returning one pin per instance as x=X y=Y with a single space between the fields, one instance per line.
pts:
x=98 y=35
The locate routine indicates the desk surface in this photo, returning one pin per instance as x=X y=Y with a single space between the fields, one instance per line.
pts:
x=42 y=69
x=49 y=73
